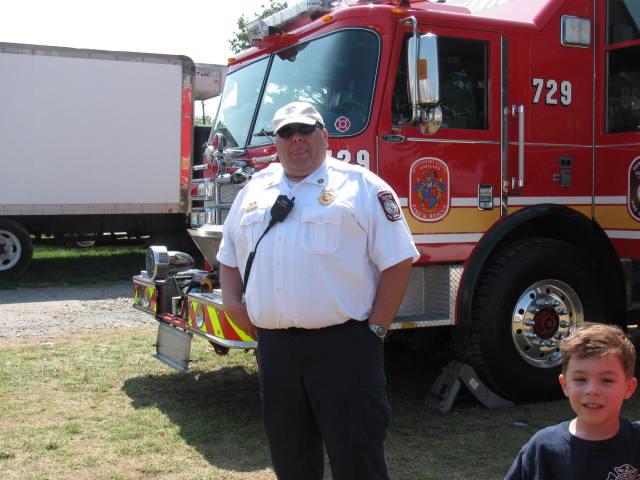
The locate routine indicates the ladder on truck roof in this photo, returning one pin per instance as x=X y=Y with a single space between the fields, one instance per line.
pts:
x=472 y=5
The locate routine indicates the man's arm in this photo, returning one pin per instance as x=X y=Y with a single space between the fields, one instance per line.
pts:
x=391 y=288
x=231 y=281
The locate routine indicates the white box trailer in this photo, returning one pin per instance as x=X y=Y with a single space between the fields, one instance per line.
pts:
x=94 y=142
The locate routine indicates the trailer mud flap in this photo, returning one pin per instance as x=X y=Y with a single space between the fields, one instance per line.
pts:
x=173 y=347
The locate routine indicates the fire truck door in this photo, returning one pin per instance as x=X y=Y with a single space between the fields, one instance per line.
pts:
x=448 y=182
x=550 y=110
x=617 y=157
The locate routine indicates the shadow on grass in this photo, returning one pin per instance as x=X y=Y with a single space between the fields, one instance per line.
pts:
x=218 y=413
x=78 y=270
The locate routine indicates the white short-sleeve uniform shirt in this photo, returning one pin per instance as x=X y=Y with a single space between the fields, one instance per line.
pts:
x=321 y=266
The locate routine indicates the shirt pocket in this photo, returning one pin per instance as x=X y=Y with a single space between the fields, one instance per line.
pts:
x=321 y=230
x=252 y=226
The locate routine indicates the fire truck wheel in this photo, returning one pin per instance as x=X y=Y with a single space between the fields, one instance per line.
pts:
x=16 y=247
x=219 y=349
x=534 y=293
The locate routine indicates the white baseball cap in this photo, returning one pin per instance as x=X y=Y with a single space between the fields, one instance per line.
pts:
x=296 y=112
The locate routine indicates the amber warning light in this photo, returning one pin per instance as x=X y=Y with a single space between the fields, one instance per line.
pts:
x=422 y=69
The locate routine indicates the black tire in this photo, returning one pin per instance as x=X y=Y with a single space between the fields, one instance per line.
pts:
x=16 y=247
x=533 y=293
x=85 y=243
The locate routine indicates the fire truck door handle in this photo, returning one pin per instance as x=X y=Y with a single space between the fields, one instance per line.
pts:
x=520 y=146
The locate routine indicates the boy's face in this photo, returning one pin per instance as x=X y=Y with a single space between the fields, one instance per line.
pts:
x=596 y=388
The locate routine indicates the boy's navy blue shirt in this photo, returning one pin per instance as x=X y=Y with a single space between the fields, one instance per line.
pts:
x=554 y=454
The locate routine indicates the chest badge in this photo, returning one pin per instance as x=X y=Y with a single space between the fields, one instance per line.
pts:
x=326 y=197
x=251 y=207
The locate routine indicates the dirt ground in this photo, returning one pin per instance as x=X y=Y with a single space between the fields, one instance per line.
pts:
x=54 y=311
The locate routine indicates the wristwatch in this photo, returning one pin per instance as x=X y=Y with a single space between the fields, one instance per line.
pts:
x=379 y=330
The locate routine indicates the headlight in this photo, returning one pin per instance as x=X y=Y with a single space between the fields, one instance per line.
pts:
x=157 y=262
x=160 y=262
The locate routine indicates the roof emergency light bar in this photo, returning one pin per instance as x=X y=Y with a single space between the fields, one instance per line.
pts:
x=261 y=27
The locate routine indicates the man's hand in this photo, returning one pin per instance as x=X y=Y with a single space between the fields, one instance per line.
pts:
x=232 y=299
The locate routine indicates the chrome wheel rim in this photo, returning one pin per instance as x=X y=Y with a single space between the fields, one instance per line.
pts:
x=547 y=312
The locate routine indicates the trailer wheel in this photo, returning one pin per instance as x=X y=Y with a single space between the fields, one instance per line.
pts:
x=533 y=293
x=16 y=247
x=85 y=243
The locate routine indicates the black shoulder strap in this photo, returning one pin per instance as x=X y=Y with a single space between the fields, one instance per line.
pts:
x=279 y=211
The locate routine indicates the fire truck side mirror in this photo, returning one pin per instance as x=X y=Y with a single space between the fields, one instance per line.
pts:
x=422 y=62
x=218 y=142
x=424 y=82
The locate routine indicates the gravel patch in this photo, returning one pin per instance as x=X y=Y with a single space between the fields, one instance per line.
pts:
x=54 y=311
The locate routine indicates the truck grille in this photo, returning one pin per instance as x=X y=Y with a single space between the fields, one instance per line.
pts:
x=212 y=211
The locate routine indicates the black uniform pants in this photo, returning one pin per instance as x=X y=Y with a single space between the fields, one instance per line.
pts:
x=324 y=385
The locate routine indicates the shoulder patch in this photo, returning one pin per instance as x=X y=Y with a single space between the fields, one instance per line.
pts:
x=389 y=206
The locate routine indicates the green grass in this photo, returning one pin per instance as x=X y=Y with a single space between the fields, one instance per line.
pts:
x=100 y=407
x=60 y=266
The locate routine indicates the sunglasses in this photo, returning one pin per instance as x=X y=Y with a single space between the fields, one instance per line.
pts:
x=289 y=131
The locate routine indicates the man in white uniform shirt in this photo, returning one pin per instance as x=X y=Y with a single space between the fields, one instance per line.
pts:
x=325 y=284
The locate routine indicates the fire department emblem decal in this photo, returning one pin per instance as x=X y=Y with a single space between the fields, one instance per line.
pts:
x=389 y=206
x=633 y=195
x=342 y=124
x=429 y=189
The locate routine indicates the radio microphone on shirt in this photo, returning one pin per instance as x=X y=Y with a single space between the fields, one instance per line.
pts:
x=281 y=208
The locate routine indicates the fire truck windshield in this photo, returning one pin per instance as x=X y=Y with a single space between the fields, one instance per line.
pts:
x=336 y=73
x=238 y=103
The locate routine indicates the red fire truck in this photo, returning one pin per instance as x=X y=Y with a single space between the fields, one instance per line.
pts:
x=510 y=130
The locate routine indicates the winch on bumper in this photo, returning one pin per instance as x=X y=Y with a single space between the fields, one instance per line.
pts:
x=186 y=301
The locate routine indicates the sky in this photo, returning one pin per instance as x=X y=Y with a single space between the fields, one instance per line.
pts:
x=199 y=29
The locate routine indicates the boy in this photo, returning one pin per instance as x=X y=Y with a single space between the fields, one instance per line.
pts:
x=597 y=376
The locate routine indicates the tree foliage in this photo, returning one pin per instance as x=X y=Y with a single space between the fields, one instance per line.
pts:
x=240 y=40
x=200 y=120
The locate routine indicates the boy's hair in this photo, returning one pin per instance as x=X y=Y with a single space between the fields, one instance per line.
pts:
x=598 y=340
